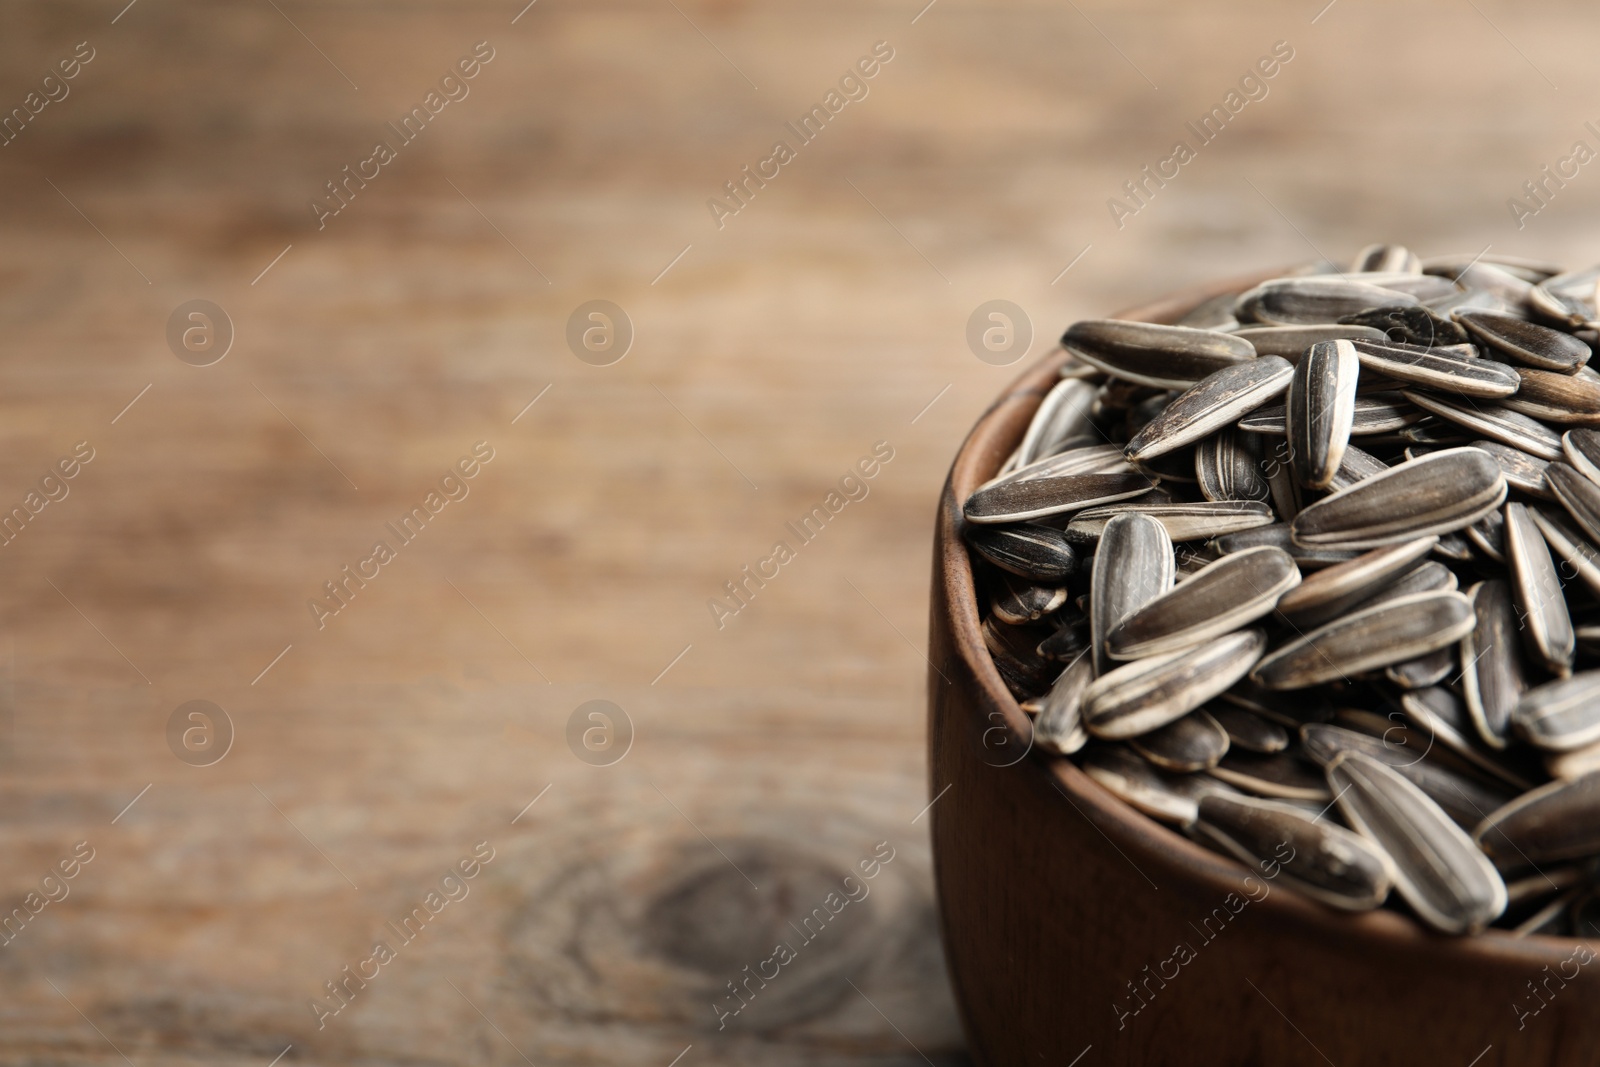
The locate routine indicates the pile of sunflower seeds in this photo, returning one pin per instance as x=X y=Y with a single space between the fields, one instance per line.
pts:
x=1317 y=567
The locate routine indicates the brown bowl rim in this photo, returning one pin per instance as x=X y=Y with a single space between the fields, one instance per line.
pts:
x=1130 y=831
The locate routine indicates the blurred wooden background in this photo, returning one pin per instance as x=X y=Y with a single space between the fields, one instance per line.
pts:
x=769 y=756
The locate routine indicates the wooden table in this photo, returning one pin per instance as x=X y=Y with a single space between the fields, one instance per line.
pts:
x=770 y=754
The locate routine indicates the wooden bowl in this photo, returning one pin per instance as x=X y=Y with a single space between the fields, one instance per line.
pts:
x=1074 y=926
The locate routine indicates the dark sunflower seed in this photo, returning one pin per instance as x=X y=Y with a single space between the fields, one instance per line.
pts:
x=1410 y=323
x=1379 y=257
x=1356 y=466
x=1132 y=566
x=1557 y=821
x=1441 y=492
x=1313 y=301
x=1444 y=717
x=1195 y=742
x=1424 y=671
x=1063 y=413
x=1568 y=399
x=1325 y=861
x=1413 y=756
x=1015 y=651
x=1171 y=798
x=1282 y=776
x=1216 y=401
x=1494 y=421
x=1527 y=343
x=1038 y=553
x=1059 y=725
x=1221 y=597
x=1227 y=466
x=1018 y=601
x=1320 y=410
x=1562 y=715
x=1581 y=448
x=1488 y=535
x=1371 y=415
x=1491 y=663
x=1248 y=730
x=1575 y=550
x=1579 y=495
x=1017 y=501
x=1434 y=369
x=1537 y=588
x=1167 y=357
x=1147 y=694
x=1277 y=535
x=1197 y=521
x=1438 y=870
x=1522 y=471
x=1368 y=639
x=1330 y=592
x=1290 y=342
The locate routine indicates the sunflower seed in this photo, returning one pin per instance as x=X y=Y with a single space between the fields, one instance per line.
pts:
x=1494 y=421
x=1364 y=640
x=1558 y=821
x=1567 y=298
x=1027 y=550
x=1422 y=672
x=1356 y=466
x=1488 y=536
x=1522 y=471
x=1371 y=414
x=1249 y=731
x=1445 y=718
x=1213 y=313
x=1330 y=592
x=1529 y=270
x=1397 y=258
x=1147 y=694
x=1562 y=715
x=1282 y=776
x=1438 y=869
x=1183 y=522
x=1214 y=402
x=1537 y=588
x=1167 y=357
x=1491 y=663
x=1086 y=459
x=1015 y=651
x=1227 y=467
x=1569 y=399
x=1069 y=640
x=1016 y=501
x=1312 y=301
x=1581 y=448
x=1059 y=725
x=1290 y=342
x=1441 y=492
x=1320 y=410
x=1221 y=597
x=1132 y=566
x=1573 y=547
x=1410 y=323
x=1018 y=601
x=1171 y=798
x=1579 y=495
x=1195 y=742
x=1434 y=369
x=1064 y=412
x=1326 y=861
x=1277 y=535
x=1574 y=764
x=1526 y=343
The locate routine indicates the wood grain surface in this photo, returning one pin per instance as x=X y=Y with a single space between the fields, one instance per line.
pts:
x=771 y=754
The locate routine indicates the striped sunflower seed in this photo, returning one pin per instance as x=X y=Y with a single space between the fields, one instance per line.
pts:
x=1522 y=471
x=1171 y=798
x=1356 y=466
x=1558 y=821
x=1526 y=343
x=1212 y=403
x=1579 y=557
x=1249 y=731
x=1058 y=726
x=1027 y=550
x=1365 y=640
x=1227 y=466
x=1438 y=869
x=1147 y=694
x=1312 y=301
x=1328 y=862
x=1581 y=448
x=1018 y=501
x=1435 y=369
x=1443 y=716
x=1132 y=566
x=1438 y=493
x=1197 y=521
x=1579 y=495
x=1411 y=324
x=1330 y=592
x=1494 y=421
x=1221 y=597
x=1196 y=742
x=1537 y=588
x=1320 y=410
x=1371 y=415
x=1167 y=357
x=1063 y=413
x=1422 y=672
x=1562 y=715
x=1290 y=342
x=1568 y=399
x=1018 y=601
x=1492 y=677
x=1280 y=776
x=1411 y=755
x=1380 y=257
